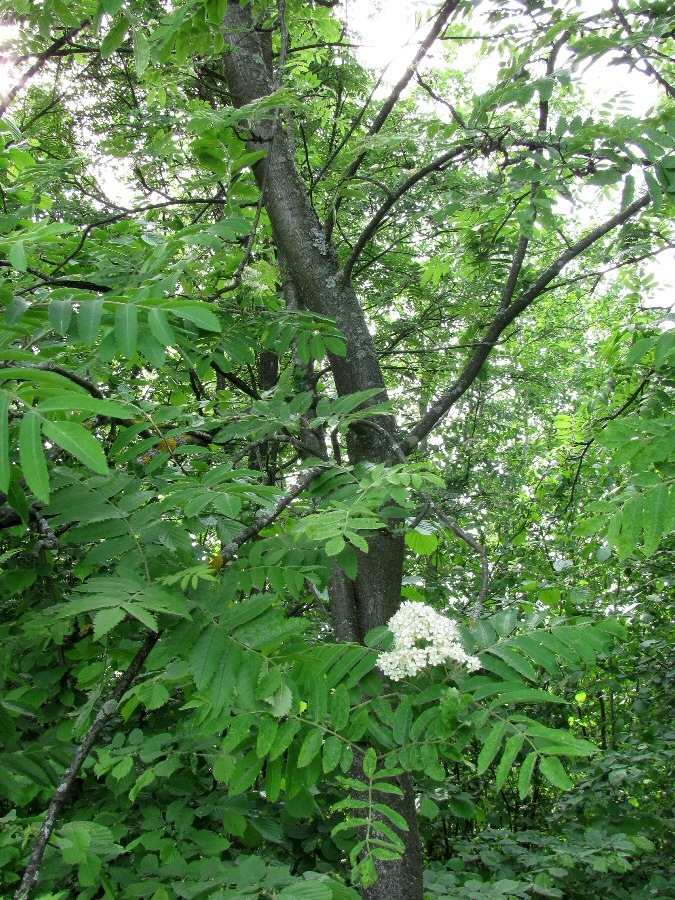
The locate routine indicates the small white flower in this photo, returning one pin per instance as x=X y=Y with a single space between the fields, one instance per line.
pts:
x=422 y=637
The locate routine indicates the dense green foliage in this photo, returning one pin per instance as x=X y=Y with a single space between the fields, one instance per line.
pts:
x=179 y=487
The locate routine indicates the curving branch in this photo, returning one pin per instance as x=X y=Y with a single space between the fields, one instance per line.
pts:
x=65 y=373
x=430 y=503
x=480 y=550
x=523 y=241
x=42 y=59
x=436 y=165
x=605 y=422
x=439 y=24
x=263 y=519
x=234 y=380
x=503 y=318
x=109 y=708
x=665 y=84
x=105 y=713
x=61 y=282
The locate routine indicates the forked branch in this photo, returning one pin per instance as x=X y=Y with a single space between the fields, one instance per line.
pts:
x=503 y=318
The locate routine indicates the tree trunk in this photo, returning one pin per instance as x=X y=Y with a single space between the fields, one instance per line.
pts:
x=312 y=263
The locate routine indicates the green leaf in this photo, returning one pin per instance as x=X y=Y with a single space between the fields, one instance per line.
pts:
x=515 y=661
x=654 y=189
x=310 y=747
x=107 y=619
x=267 y=732
x=335 y=545
x=245 y=773
x=223 y=768
x=307 y=890
x=552 y=769
x=114 y=38
x=73 y=401
x=511 y=751
x=348 y=561
x=422 y=541
x=370 y=762
x=526 y=695
x=17 y=256
x=59 y=315
x=281 y=702
x=126 y=329
x=525 y=774
x=491 y=747
x=204 y=657
x=78 y=441
x=32 y=457
x=654 y=517
x=5 y=470
x=273 y=775
x=141 y=52
x=462 y=807
x=222 y=683
x=144 y=616
x=317 y=699
x=89 y=319
x=160 y=328
x=537 y=652
x=339 y=709
x=198 y=313
x=153 y=694
x=631 y=526
x=285 y=736
x=402 y=721
x=332 y=751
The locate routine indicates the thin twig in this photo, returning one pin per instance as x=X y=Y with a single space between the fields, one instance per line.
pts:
x=278 y=439
x=453 y=526
x=605 y=422
x=61 y=282
x=38 y=64
x=235 y=281
x=263 y=519
x=668 y=87
x=439 y=23
x=480 y=550
x=65 y=373
x=436 y=165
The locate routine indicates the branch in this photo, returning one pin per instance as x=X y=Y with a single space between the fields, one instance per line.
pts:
x=504 y=318
x=523 y=241
x=668 y=87
x=443 y=15
x=235 y=380
x=65 y=373
x=272 y=439
x=480 y=550
x=371 y=228
x=263 y=519
x=61 y=282
x=105 y=713
x=38 y=64
x=605 y=422
x=453 y=526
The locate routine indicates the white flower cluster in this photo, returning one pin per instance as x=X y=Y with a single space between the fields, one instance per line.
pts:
x=422 y=637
